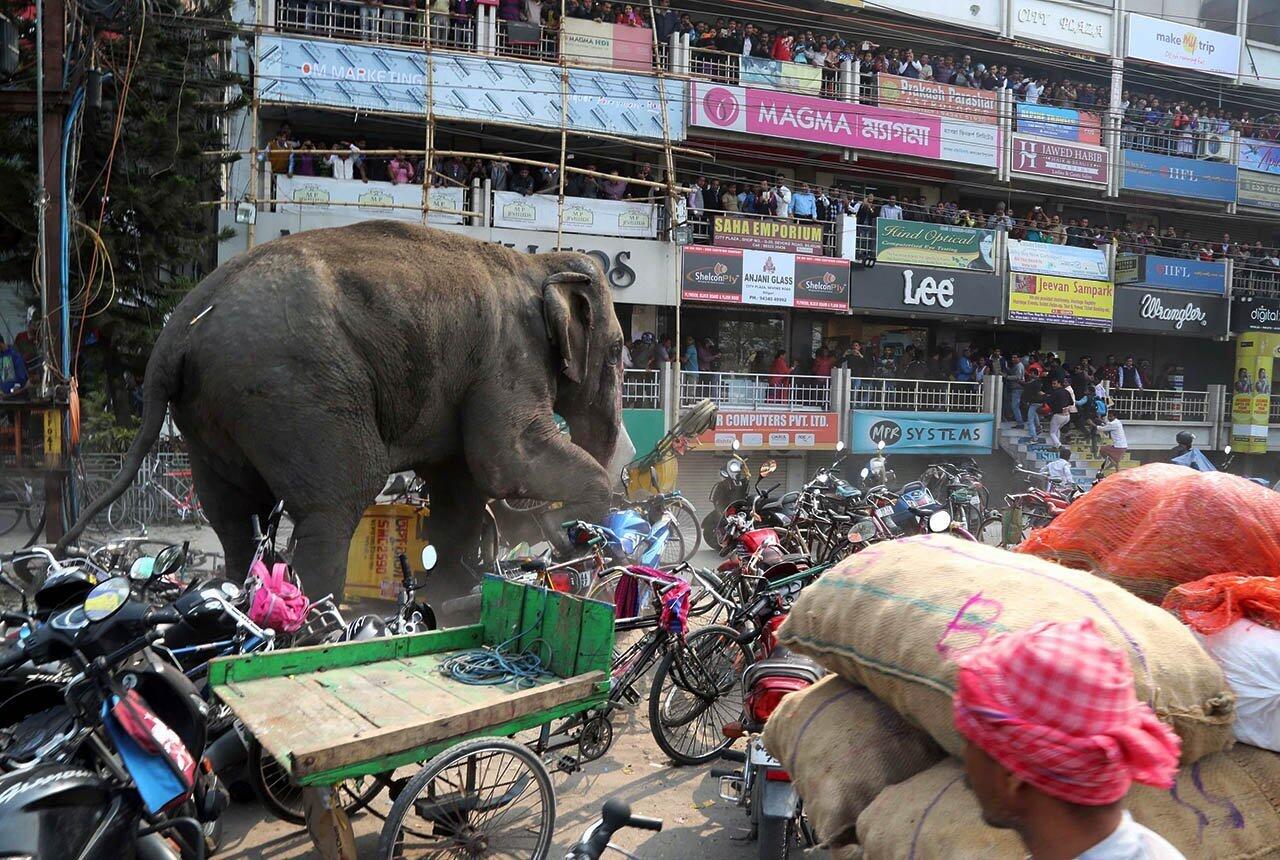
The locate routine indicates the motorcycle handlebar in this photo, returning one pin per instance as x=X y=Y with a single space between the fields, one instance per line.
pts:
x=163 y=615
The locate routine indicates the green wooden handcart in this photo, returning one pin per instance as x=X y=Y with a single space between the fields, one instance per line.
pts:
x=332 y=713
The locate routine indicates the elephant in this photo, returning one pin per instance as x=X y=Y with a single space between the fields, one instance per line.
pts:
x=312 y=366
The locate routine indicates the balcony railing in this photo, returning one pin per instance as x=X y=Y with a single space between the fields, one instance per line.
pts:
x=915 y=395
x=757 y=391
x=1256 y=281
x=545 y=47
x=1150 y=404
x=350 y=19
x=641 y=389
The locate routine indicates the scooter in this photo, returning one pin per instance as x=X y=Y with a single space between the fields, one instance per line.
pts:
x=735 y=478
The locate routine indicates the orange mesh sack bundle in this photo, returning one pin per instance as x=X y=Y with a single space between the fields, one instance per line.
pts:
x=1216 y=602
x=1155 y=527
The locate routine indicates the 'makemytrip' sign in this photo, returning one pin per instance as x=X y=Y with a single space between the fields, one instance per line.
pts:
x=1255 y=315
x=1160 y=311
x=1171 y=43
x=922 y=432
x=927 y=291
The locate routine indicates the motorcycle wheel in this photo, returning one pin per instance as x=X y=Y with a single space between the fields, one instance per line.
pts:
x=776 y=837
x=711 y=529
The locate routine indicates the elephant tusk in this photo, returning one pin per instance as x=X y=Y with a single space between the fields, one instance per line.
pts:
x=199 y=316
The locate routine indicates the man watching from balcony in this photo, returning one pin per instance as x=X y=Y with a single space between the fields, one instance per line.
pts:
x=400 y=169
x=1129 y=376
x=665 y=21
x=500 y=173
x=340 y=163
x=729 y=199
x=522 y=182
x=803 y=204
x=891 y=210
x=781 y=197
x=696 y=200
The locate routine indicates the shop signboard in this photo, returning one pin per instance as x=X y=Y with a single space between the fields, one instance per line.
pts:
x=1062 y=260
x=638 y=273
x=352 y=76
x=1144 y=309
x=1057 y=123
x=312 y=195
x=768 y=278
x=774 y=430
x=801 y=119
x=927 y=291
x=922 y=432
x=943 y=245
x=779 y=75
x=581 y=215
x=1179 y=177
x=1175 y=273
x=1061 y=301
x=983 y=15
x=1128 y=268
x=767 y=234
x=1259 y=190
x=1172 y=43
x=1262 y=156
x=1063 y=25
x=1059 y=161
x=931 y=97
x=594 y=43
x=1251 y=391
x=1255 y=315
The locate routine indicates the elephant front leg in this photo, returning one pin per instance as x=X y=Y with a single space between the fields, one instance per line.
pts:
x=457 y=519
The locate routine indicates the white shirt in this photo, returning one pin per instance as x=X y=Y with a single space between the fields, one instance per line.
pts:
x=1132 y=841
x=782 y=201
x=343 y=168
x=1116 y=429
x=1059 y=471
x=892 y=211
x=1033 y=92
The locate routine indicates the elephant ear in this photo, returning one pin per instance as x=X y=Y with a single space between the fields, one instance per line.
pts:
x=567 y=310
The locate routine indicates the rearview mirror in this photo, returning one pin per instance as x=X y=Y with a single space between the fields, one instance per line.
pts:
x=1226 y=450
x=880 y=445
x=865 y=473
x=767 y=468
x=839 y=446
x=429 y=557
x=737 y=445
x=106 y=598
x=168 y=561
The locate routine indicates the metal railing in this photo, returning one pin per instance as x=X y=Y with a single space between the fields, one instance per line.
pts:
x=756 y=391
x=350 y=19
x=1151 y=404
x=1256 y=281
x=715 y=65
x=703 y=225
x=641 y=389
x=915 y=395
x=546 y=48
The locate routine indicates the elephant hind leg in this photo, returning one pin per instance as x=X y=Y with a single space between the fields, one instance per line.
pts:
x=230 y=505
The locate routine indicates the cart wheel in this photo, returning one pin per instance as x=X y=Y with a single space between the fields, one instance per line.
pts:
x=283 y=798
x=487 y=797
x=696 y=692
x=595 y=738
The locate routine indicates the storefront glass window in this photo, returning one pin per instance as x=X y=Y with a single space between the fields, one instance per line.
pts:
x=1217 y=15
x=747 y=345
x=1264 y=21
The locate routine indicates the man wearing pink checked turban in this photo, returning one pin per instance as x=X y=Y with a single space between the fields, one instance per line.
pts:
x=1055 y=738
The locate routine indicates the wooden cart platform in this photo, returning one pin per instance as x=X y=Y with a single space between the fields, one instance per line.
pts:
x=327 y=713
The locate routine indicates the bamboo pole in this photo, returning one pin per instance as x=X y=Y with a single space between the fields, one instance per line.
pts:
x=428 y=144
x=670 y=177
x=564 y=128
x=255 y=171
x=466 y=213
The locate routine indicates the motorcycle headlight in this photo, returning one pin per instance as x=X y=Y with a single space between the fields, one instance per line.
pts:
x=734 y=467
x=940 y=520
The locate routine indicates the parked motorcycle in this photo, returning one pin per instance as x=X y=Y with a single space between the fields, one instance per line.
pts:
x=960 y=488
x=735 y=479
x=106 y=765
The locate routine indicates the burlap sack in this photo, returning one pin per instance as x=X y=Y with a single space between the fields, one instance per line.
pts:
x=842 y=746
x=1225 y=807
x=890 y=617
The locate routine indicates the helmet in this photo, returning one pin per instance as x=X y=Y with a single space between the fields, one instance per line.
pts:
x=1186 y=438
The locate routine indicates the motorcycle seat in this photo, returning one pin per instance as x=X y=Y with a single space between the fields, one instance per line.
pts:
x=530 y=564
x=786 y=664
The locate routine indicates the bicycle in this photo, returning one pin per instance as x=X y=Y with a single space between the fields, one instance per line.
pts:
x=19 y=502
x=157 y=493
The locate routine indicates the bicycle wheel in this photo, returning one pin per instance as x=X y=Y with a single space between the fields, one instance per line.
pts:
x=13 y=504
x=992 y=531
x=696 y=692
x=487 y=797
x=605 y=590
x=93 y=488
x=283 y=799
x=685 y=517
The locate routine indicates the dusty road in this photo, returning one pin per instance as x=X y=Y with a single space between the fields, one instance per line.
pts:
x=697 y=823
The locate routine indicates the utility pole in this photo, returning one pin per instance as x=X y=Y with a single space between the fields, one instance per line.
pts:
x=49 y=101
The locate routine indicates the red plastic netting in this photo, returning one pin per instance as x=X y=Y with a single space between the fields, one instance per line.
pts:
x=1216 y=602
x=1152 y=528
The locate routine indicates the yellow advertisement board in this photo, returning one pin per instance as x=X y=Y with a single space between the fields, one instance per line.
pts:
x=1061 y=301
x=1251 y=391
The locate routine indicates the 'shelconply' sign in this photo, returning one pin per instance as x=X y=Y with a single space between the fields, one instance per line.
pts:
x=1146 y=309
x=771 y=278
x=922 y=432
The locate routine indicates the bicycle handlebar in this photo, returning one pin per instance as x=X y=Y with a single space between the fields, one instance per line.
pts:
x=614 y=816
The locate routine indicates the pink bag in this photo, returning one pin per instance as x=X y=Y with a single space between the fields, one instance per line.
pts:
x=278 y=602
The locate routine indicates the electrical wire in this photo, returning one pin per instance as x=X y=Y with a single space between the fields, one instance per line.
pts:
x=497 y=665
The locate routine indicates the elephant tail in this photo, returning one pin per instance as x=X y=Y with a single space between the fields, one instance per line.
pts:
x=159 y=387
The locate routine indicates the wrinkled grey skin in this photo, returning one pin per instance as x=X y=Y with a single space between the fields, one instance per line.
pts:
x=331 y=358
